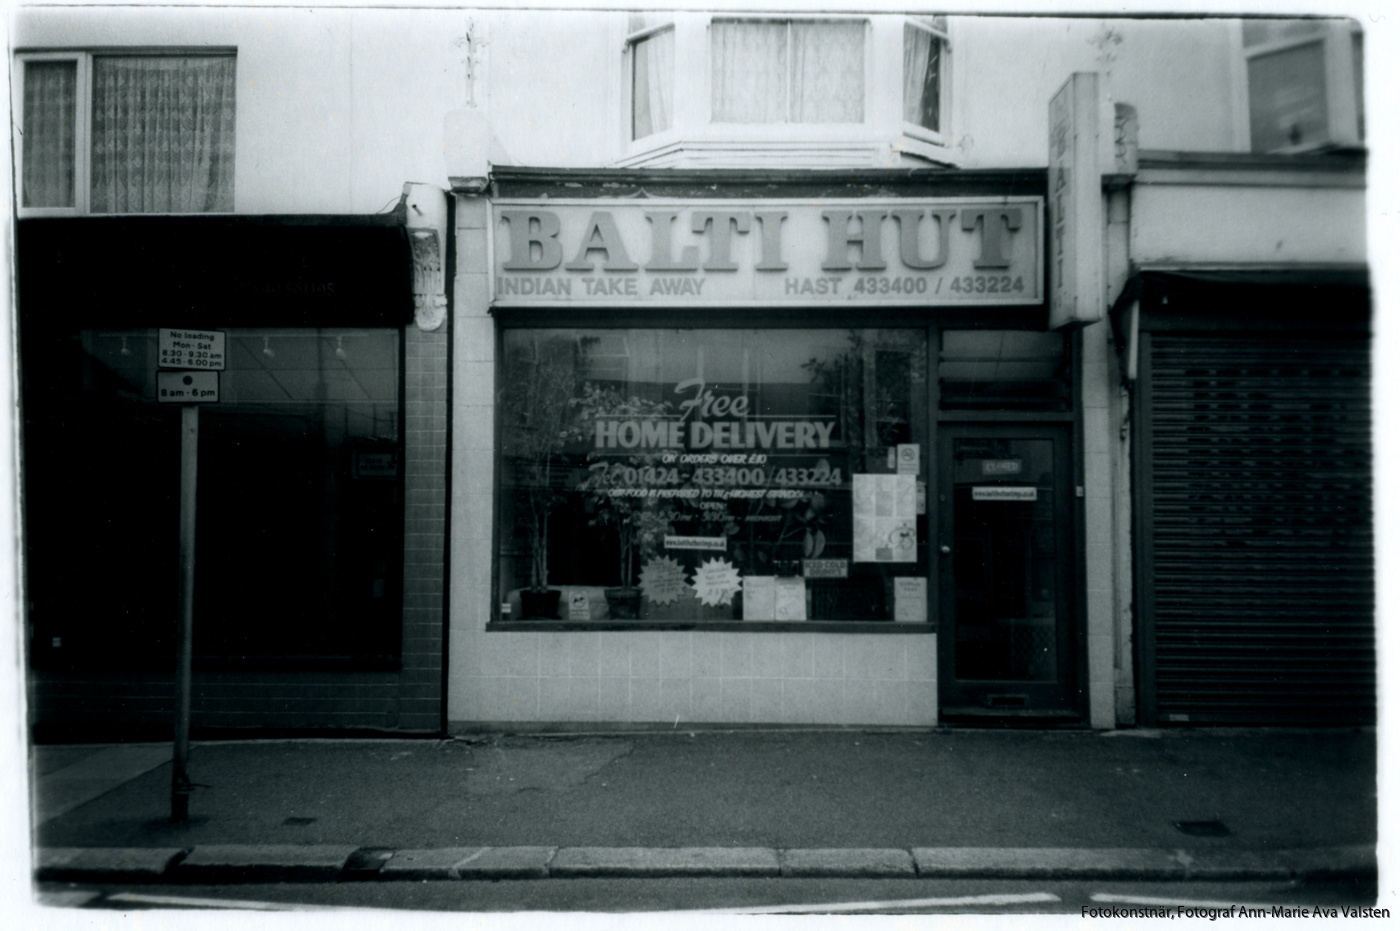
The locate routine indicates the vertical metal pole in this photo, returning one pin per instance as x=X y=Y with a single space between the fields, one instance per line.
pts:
x=184 y=646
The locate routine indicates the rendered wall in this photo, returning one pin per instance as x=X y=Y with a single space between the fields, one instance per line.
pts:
x=336 y=108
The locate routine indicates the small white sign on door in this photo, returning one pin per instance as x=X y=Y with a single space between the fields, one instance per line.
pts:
x=1004 y=493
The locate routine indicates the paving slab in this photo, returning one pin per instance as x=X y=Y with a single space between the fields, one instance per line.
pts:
x=86 y=776
x=97 y=864
x=264 y=863
x=864 y=863
x=665 y=861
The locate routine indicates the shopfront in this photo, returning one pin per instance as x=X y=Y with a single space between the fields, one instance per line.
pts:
x=304 y=463
x=793 y=456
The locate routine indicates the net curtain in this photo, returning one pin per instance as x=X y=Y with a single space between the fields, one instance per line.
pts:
x=653 y=71
x=788 y=72
x=162 y=134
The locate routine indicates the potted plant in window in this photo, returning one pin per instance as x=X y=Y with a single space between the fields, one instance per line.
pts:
x=636 y=520
x=538 y=422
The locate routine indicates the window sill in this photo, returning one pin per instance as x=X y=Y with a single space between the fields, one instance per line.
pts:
x=764 y=627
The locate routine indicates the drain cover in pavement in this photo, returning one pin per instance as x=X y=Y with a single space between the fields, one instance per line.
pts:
x=298 y=822
x=1215 y=828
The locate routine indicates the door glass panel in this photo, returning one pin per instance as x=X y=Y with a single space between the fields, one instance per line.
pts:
x=1004 y=559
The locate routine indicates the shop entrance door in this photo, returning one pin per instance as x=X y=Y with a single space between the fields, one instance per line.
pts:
x=1006 y=555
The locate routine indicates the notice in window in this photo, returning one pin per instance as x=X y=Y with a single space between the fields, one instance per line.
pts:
x=760 y=598
x=883 y=511
x=911 y=599
x=790 y=599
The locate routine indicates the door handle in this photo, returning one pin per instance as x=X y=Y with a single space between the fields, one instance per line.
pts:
x=945 y=549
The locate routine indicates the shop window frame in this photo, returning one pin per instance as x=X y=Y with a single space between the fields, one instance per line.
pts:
x=951 y=318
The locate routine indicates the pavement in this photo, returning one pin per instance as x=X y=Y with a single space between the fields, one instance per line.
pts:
x=1219 y=804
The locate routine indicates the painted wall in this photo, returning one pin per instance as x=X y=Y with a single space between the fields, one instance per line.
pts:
x=336 y=108
x=1175 y=224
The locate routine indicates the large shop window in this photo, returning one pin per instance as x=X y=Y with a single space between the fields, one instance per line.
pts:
x=300 y=514
x=127 y=133
x=713 y=475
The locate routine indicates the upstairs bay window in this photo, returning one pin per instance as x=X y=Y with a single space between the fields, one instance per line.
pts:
x=816 y=91
x=126 y=133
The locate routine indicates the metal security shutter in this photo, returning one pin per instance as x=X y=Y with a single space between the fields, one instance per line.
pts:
x=1260 y=590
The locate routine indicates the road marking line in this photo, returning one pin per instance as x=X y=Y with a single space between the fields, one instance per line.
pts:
x=193 y=902
x=990 y=899
x=1149 y=900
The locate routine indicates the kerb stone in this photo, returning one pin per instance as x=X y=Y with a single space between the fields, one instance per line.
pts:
x=264 y=863
x=854 y=862
x=665 y=861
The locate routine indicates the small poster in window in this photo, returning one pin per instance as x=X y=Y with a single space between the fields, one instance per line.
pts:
x=883 y=511
x=716 y=582
x=790 y=599
x=911 y=599
x=760 y=598
x=578 y=606
x=663 y=580
x=908 y=459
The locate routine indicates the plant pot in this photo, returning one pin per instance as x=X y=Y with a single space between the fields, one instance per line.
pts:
x=540 y=605
x=624 y=604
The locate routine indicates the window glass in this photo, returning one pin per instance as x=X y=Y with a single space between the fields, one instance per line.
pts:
x=798 y=72
x=653 y=83
x=50 y=102
x=299 y=513
x=722 y=475
x=923 y=52
x=1003 y=370
x=1288 y=98
x=162 y=134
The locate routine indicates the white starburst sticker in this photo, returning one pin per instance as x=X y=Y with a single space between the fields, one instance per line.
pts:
x=663 y=580
x=716 y=582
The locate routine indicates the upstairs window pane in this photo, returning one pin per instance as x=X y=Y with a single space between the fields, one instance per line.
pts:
x=923 y=67
x=653 y=84
x=787 y=72
x=50 y=122
x=1288 y=98
x=162 y=134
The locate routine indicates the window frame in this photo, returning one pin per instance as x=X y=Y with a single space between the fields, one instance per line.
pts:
x=629 y=69
x=82 y=114
x=695 y=139
x=1344 y=118
x=915 y=131
x=82 y=142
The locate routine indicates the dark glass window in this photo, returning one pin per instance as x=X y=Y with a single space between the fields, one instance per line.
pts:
x=299 y=547
x=986 y=370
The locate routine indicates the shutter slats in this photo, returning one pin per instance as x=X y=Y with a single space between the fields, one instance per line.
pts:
x=1263 y=587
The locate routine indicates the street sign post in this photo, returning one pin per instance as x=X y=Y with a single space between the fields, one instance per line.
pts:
x=199 y=357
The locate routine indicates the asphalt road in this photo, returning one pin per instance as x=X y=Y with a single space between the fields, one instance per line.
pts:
x=773 y=896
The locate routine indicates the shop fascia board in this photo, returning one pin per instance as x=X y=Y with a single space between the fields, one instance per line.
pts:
x=1341 y=169
x=764 y=183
